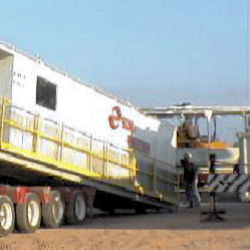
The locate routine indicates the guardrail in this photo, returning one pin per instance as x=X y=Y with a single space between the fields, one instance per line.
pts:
x=33 y=137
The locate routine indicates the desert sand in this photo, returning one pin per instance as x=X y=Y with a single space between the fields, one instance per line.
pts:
x=181 y=230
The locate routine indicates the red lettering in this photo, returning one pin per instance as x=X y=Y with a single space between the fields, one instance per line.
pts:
x=117 y=110
x=128 y=124
x=116 y=117
x=139 y=144
x=113 y=122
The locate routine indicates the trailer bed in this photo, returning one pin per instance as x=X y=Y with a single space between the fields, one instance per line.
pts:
x=30 y=155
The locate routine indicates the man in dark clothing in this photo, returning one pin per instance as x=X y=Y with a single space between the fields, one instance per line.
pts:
x=212 y=159
x=191 y=179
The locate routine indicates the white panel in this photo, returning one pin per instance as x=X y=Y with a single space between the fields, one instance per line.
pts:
x=87 y=109
x=6 y=63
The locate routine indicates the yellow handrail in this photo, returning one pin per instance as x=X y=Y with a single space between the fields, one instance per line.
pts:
x=107 y=161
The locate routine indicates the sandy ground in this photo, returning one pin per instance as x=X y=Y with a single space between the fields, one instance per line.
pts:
x=182 y=230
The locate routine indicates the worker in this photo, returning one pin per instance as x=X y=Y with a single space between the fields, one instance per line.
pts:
x=236 y=169
x=212 y=159
x=191 y=180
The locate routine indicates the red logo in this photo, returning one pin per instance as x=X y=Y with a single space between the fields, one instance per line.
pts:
x=116 y=119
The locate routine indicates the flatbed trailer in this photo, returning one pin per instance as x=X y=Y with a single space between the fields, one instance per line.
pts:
x=53 y=173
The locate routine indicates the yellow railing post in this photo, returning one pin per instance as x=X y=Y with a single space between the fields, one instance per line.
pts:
x=134 y=163
x=35 y=133
x=2 y=121
x=60 y=154
x=90 y=154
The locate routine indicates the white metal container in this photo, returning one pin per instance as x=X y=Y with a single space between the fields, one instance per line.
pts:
x=81 y=106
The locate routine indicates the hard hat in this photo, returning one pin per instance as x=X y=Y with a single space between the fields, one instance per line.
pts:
x=187 y=156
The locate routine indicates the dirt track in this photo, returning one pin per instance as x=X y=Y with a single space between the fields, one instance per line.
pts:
x=182 y=230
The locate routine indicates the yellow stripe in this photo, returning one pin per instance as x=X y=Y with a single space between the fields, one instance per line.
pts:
x=42 y=158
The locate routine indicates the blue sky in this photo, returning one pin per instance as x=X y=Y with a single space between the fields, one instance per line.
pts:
x=151 y=52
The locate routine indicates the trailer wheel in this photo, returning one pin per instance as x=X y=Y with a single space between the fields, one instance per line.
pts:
x=28 y=214
x=53 y=211
x=7 y=215
x=76 y=210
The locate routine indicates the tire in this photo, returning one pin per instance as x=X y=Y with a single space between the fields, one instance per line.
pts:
x=28 y=214
x=76 y=210
x=7 y=215
x=52 y=212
